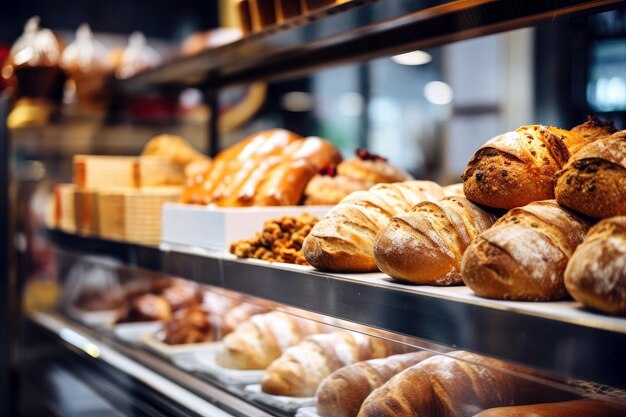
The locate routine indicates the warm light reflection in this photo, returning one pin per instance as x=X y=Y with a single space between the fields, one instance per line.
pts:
x=412 y=58
x=438 y=92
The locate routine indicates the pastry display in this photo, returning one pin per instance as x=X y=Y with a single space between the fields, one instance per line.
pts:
x=182 y=295
x=190 y=325
x=146 y=307
x=576 y=408
x=344 y=239
x=524 y=255
x=596 y=272
x=174 y=148
x=270 y=168
x=259 y=341
x=361 y=173
x=342 y=393
x=425 y=245
x=280 y=241
x=517 y=168
x=594 y=180
x=459 y=385
x=239 y=314
x=301 y=368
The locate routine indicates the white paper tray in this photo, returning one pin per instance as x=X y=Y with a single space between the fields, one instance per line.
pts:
x=287 y=404
x=92 y=318
x=169 y=351
x=205 y=362
x=215 y=228
x=134 y=332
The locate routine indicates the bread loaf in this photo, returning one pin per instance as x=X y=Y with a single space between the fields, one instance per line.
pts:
x=344 y=239
x=457 y=386
x=594 y=180
x=269 y=168
x=519 y=167
x=302 y=367
x=239 y=314
x=260 y=340
x=341 y=393
x=524 y=255
x=425 y=246
x=576 y=408
x=596 y=272
x=454 y=189
x=173 y=148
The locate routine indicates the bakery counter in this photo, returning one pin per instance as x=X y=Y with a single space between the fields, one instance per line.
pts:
x=557 y=336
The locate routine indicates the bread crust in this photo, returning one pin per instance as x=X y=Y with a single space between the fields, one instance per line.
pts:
x=524 y=255
x=373 y=171
x=517 y=168
x=594 y=181
x=596 y=273
x=327 y=190
x=425 y=246
x=577 y=408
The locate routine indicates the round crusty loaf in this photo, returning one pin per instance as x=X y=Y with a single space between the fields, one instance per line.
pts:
x=344 y=239
x=596 y=273
x=523 y=256
x=594 y=180
x=425 y=246
x=516 y=168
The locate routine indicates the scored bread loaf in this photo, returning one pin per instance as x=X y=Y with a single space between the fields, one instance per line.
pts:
x=341 y=393
x=302 y=367
x=524 y=255
x=344 y=239
x=519 y=167
x=269 y=168
x=594 y=180
x=576 y=408
x=260 y=340
x=239 y=314
x=425 y=245
x=596 y=272
x=458 y=386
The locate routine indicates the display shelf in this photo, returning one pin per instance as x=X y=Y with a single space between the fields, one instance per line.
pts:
x=558 y=336
x=387 y=27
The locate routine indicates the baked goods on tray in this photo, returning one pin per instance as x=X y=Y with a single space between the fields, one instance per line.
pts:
x=594 y=180
x=342 y=393
x=146 y=307
x=524 y=255
x=190 y=325
x=577 y=408
x=596 y=272
x=344 y=239
x=280 y=240
x=270 y=168
x=425 y=245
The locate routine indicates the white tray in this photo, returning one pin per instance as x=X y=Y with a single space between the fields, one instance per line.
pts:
x=92 y=318
x=307 y=412
x=287 y=404
x=169 y=351
x=205 y=362
x=133 y=332
x=215 y=228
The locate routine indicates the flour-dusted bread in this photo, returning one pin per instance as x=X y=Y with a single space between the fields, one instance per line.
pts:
x=596 y=272
x=344 y=239
x=524 y=255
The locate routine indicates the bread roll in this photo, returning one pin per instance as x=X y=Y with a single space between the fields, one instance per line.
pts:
x=425 y=246
x=594 y=128
x=302 y=367
x=341 y=393
x=174 y=148
x=371 y=168
x=524 y=255
x=260 y=340
x=344 y=239
x=326 y=190
x=594 y=180
x=577 y=408
x=519 y=167
x=457 y=386
x=596 y=272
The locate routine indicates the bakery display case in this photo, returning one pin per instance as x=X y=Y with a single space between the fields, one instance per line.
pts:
x=257 y=262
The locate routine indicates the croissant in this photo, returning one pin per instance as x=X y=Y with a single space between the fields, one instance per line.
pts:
x=425 y=246
x=302 y=367
x=458 y=386
x=341 y=393
x=344 y=239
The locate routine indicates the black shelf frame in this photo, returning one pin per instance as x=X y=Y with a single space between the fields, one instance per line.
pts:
x=573 y=348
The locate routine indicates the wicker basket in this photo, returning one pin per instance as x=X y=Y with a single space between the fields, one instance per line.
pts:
x=94 y=172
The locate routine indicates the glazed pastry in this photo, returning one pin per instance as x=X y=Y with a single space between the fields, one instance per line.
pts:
x=147 y=307
x=190 y=325
x=182 y=295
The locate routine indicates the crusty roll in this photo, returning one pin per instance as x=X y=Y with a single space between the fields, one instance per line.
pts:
x=594 y=180
x=524 y=255
x=594 y=128
x=457 y=386
x=519 y=167
x=302 y=367
x=425 y=246
x=326 y=190
x=372 y=168
x=577 y=408
x=342 y=393
x=174 y=148
x=596 y=272
x=344 y=239
x=260 y=340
